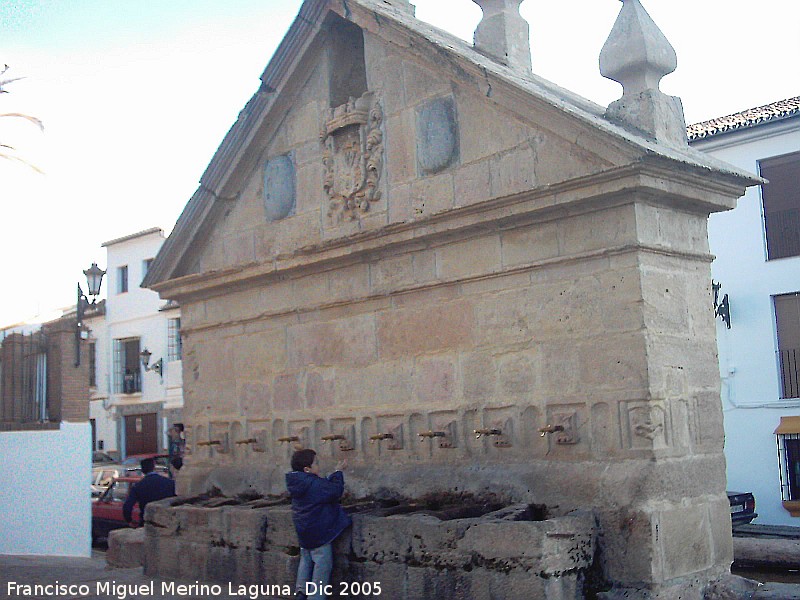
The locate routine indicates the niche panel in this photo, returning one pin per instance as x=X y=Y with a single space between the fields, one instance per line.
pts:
x=446 y=422
x=342 y=437
x=218 y=434
x=392 y=435
x=498 y=429
x=258 y=432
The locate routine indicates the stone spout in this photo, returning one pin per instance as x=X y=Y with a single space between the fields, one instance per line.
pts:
x=430 y=435
x=543 y=431
x=486 y=432
x=503 y=34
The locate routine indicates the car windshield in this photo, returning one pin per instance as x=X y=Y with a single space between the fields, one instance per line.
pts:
x=117 y=492
x=133 y=463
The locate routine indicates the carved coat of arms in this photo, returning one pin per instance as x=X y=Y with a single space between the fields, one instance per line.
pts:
x=353 y=157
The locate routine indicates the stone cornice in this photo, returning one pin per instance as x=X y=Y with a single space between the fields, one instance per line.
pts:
x=560 y=260
x=648 y=181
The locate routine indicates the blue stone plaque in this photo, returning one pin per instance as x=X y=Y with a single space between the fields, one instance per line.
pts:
x=437 y=136
x=279 y=188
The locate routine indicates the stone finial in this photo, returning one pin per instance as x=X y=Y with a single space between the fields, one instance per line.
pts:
x=638 y=55
x=503 y=34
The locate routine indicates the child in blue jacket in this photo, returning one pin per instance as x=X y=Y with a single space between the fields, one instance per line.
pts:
x=318 y=519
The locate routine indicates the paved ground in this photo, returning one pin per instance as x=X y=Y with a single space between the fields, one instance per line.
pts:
x=99 y=581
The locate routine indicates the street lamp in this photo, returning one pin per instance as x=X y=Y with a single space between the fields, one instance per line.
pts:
x=158 y=366
x=94 y=278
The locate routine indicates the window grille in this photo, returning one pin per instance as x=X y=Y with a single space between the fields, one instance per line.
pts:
x=127 y=369
x=789 y=459
x=92 y=364
x=174 y=344
x=787 y=323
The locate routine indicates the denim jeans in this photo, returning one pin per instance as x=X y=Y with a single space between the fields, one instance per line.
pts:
x=315 y=567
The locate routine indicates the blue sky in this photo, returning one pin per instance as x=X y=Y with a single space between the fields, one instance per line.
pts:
x=136 y=97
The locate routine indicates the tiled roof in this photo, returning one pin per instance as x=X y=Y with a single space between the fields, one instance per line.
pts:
x=745 y=119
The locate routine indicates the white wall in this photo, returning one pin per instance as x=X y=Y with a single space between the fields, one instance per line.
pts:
x=748 y=351
x=137 y=314
x=45 y=501
x=106 y=426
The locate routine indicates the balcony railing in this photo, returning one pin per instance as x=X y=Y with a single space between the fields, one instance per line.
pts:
x=790 y=376
x=131 y=382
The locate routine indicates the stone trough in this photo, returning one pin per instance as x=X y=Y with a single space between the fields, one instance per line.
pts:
x=427 y=549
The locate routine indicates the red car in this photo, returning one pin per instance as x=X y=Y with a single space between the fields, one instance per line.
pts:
x=132 y=463
x=107 y=509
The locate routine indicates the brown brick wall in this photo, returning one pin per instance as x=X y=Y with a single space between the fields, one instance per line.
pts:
x=67 y=386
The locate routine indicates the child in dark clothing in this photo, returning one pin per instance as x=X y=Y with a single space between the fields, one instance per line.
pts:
x=318 y=519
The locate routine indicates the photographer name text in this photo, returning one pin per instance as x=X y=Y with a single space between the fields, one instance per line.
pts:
x=123 y=591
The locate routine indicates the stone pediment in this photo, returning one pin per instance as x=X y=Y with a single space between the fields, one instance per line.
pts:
x=318 y=155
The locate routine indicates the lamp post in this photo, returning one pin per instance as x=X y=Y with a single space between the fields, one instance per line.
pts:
x=94 y=278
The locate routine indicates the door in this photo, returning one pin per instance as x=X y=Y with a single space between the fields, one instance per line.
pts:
x=140 y=434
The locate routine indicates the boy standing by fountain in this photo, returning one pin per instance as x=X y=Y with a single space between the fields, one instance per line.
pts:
x=318 y=519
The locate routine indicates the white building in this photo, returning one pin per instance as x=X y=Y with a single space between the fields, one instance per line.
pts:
x=132 y=406
x=757 y=246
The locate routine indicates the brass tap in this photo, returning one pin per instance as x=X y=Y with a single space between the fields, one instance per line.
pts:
x=333 y=436
x=289 y=438
x=380 y=436
x=210 y=443
x=248 y=441
x=430 y=435
x=543 y=431
x=486 y=432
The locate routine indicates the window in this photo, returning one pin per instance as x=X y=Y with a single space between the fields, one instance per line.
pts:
x=174 y=346
x=787 y=321
x=781 y=197
x=127 y=370
x=788 y=433
x=122 y=279
x=92 y=364
x=146 y=267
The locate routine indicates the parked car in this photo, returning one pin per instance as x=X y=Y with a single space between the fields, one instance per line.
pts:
x=107 y=508
x=100 y=458
x=132 y=463
x=103 y=476
x=743 y=508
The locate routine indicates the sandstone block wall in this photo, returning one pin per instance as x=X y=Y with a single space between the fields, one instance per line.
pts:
x=514 y=303
x=409 y=556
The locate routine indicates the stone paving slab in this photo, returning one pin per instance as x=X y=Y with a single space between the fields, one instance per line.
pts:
x=94 y=573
